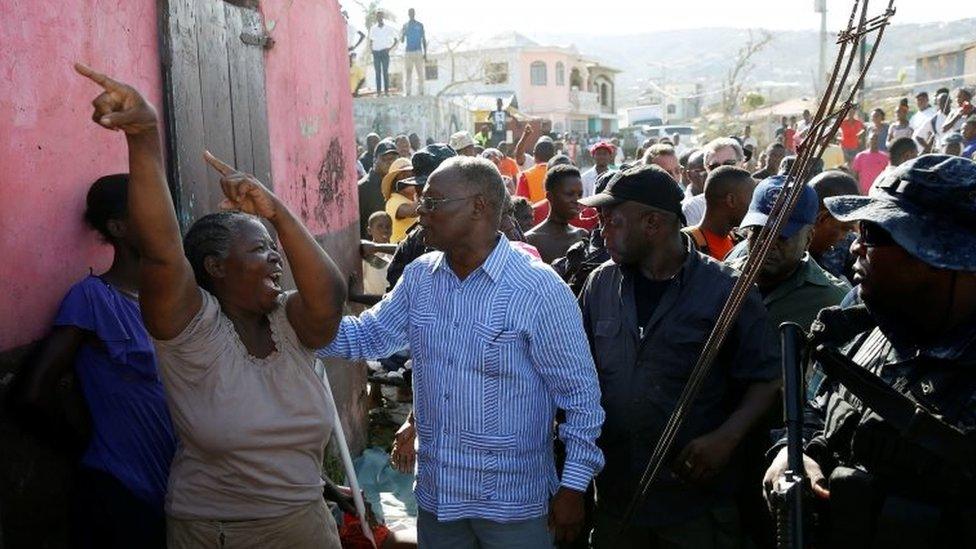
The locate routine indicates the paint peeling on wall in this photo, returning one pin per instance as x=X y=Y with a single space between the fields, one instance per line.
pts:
x=309 y=126
x=51 y=152
x=307 y=81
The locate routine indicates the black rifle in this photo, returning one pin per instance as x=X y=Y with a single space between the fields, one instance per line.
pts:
x=789 y=490
x=913 y=421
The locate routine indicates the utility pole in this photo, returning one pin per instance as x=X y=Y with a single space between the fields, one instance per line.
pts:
x=820 y=6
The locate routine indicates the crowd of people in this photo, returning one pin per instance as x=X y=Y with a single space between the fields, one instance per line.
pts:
x=870 y=147
x=549 y=318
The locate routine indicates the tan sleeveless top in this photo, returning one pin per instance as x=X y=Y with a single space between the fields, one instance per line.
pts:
x=252 y=432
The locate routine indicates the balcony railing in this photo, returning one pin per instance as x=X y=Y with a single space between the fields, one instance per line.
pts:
x=585 y=102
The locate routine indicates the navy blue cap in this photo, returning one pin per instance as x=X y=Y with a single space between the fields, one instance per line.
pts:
x=765 y=195
x=927 y=205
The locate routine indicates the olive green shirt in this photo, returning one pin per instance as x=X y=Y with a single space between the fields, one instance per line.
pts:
x=801 y=296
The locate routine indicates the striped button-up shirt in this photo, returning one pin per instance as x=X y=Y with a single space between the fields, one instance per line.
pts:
x=494 y=356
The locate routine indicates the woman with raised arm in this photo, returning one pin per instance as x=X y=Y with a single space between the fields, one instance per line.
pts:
x=236 y=352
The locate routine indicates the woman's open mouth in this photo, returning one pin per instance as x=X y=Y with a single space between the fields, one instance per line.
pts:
x=273 y=281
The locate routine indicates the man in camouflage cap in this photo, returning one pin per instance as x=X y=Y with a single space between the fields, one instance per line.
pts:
x=890 y=449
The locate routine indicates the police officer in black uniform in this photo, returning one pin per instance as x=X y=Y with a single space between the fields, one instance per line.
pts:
x=891 y=431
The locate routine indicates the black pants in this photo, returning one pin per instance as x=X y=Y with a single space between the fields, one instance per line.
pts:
x=381 y=66
x=106 y=515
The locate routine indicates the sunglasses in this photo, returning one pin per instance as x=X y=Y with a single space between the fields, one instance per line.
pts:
x=729 y=162
x=431 y=204
x=873 y=236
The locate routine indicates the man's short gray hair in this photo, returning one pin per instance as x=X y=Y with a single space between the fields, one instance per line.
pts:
x=716 y=145
x=656 y=150
x=482 y=177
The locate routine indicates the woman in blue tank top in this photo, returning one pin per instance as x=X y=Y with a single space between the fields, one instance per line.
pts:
x=98 y=330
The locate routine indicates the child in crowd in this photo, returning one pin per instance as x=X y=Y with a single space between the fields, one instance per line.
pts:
x=379 y=228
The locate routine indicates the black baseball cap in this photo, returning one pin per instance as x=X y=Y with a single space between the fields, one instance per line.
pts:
x=648 y=185
x=385 y=146
x=425 y=161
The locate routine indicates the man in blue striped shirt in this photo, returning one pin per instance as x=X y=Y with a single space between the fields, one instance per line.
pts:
x=498 y=345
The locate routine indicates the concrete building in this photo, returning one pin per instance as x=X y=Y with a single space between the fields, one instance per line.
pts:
x=557 y=83
x=951 y=64
x=679 y=102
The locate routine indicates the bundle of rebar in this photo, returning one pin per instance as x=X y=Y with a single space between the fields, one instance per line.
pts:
x=823 y=128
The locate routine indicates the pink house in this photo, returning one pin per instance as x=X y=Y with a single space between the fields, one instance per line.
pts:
x=554 y=82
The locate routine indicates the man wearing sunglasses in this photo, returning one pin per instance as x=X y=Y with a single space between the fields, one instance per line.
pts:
x=723 y=151
x=498 y=345
x=890 y=478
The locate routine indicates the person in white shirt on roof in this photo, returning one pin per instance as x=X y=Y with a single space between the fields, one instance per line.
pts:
x=382 y=39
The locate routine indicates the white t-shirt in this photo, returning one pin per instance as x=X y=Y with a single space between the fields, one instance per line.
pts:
x=921 y=117
x=926 y=130
x=374 y=278
x=382 y=38
x=352 y=35
x=589 y=178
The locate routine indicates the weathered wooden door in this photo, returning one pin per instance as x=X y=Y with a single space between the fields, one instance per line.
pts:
x=213 y=77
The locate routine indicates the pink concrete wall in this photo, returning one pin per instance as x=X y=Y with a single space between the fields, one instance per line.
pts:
x=51 y=151
x=310 y=113
x=543 y=98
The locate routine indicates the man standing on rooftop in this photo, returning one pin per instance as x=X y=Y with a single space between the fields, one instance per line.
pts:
x=415 y=52
x=382 y=39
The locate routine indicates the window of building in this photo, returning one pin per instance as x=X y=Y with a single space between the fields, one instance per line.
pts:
x=605 y=95
x=496 y=73
x=672 y=108
x=537 y=73
x=560 y=74
x=430 y=70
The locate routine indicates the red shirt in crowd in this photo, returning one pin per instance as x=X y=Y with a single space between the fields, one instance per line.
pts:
x=789 y=139
x=849 y=131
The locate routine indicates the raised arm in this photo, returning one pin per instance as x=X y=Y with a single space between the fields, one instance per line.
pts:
x=952 y=119
x=520 y=146
x=169 y=296
x=314 y=311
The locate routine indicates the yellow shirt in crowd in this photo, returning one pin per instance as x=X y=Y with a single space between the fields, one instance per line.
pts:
x=400 y=226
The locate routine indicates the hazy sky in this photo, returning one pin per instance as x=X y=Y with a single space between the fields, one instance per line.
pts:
x=633 y=16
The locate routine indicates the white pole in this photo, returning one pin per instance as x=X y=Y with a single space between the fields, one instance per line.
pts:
x=357 y=496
